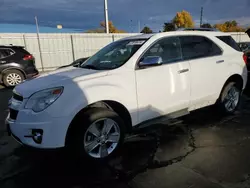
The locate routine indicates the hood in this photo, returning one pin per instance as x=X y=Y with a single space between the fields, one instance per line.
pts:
x=56 y=78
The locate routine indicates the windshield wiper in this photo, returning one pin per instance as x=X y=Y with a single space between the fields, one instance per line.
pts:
x=89 y=67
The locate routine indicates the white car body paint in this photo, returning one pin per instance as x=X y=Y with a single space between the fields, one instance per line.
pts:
x=145 y=93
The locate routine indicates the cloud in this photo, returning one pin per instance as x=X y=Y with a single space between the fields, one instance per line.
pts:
x=86 y=14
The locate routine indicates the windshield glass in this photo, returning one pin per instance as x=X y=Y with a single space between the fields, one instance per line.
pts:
x=114 y=55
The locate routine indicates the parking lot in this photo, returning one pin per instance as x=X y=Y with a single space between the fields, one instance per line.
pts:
x=202 y=150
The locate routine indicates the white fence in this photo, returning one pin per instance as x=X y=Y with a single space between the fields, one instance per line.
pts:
x=59 y=49
x=62 y=49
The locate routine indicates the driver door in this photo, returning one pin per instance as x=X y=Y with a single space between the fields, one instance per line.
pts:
x=165 y=88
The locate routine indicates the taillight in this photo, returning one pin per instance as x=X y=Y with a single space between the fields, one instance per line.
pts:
x=27 y=57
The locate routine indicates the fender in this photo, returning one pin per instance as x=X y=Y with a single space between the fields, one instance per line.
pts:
x=235 y=69
x=12 y=68
x=92 y=93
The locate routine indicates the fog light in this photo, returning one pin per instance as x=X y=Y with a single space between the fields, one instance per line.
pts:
x=37 y=135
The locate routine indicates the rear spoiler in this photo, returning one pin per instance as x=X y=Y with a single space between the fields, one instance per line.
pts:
x=248 y=32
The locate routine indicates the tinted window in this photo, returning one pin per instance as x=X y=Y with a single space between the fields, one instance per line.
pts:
x=168 y=49
x=22 y=50
x=197 y=47
x=5 y=53
x=230 y=41
x=244 y=46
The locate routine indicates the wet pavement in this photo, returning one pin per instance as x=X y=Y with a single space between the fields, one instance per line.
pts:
x=204 y=150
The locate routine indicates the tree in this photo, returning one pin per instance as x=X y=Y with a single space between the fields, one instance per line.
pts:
x=146 y=29
x=229 y=26
x=112 y=28
x=183 y=19
x=168 y=27
x=206 y=25
x=98 y=30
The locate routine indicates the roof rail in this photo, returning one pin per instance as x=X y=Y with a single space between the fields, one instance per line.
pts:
x=197 y=29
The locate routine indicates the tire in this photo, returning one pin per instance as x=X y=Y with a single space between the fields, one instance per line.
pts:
x=87 y=138
x=229 y=100
x=12 y=78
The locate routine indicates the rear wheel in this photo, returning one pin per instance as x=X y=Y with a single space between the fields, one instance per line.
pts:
x=97 y=134
x=12 y=78
x=230 y=98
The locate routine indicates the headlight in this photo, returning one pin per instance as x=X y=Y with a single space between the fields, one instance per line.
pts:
x=42 y=99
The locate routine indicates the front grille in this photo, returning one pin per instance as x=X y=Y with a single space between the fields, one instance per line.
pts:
x=17 y=97
x=13 y=110
x=13 y=114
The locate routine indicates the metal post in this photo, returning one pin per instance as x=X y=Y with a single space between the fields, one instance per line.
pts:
x=72 y=47
x=24 y=42
x=106 y=15
x=139 y=26
x=201 y=16
x=39 y=44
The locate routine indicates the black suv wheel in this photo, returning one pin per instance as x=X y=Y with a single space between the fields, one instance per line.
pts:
x=12 y=78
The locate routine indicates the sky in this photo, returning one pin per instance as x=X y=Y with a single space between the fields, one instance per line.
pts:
x=125 y=14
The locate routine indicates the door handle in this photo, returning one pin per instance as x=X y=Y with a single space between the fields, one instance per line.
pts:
x=183 y=70
x=220 y=61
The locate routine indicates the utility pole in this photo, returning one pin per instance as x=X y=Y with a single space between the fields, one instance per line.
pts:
x=39 y=44
x=106 y=15
x=201 y=16
x=139 y=26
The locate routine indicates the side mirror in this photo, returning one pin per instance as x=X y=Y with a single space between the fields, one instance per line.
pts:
x=150 y=61
x=76 y=64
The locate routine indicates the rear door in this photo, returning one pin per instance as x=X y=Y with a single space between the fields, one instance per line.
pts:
x=205 y=57
x=5 y=54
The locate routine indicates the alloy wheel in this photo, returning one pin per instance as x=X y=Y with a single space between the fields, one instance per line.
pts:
x=232 y=99
x=13 y=79
x=102 y=138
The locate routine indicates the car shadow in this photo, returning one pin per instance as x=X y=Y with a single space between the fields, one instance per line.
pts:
x=53 y=169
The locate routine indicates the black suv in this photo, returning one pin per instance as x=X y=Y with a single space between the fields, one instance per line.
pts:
x=16 y=65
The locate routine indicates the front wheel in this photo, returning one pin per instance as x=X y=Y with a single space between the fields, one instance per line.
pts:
x=230 y=98
x=98 y=134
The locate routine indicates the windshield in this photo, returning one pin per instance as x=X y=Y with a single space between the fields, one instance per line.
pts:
x=114 y=55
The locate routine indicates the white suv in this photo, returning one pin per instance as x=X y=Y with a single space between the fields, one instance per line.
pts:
x=127 y=83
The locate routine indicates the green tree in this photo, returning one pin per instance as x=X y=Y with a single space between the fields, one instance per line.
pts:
x=168 y=27
x=146 y=29
x=206 y=25
x=183 y=19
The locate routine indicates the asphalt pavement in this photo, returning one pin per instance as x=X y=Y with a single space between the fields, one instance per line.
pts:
x=203 y=150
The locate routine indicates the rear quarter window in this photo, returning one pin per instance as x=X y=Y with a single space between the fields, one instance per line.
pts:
x=22 y=50
x=5 y=53
x=230 y=41
x=198 y=47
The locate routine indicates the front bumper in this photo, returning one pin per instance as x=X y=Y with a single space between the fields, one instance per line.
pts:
x=53 y=131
